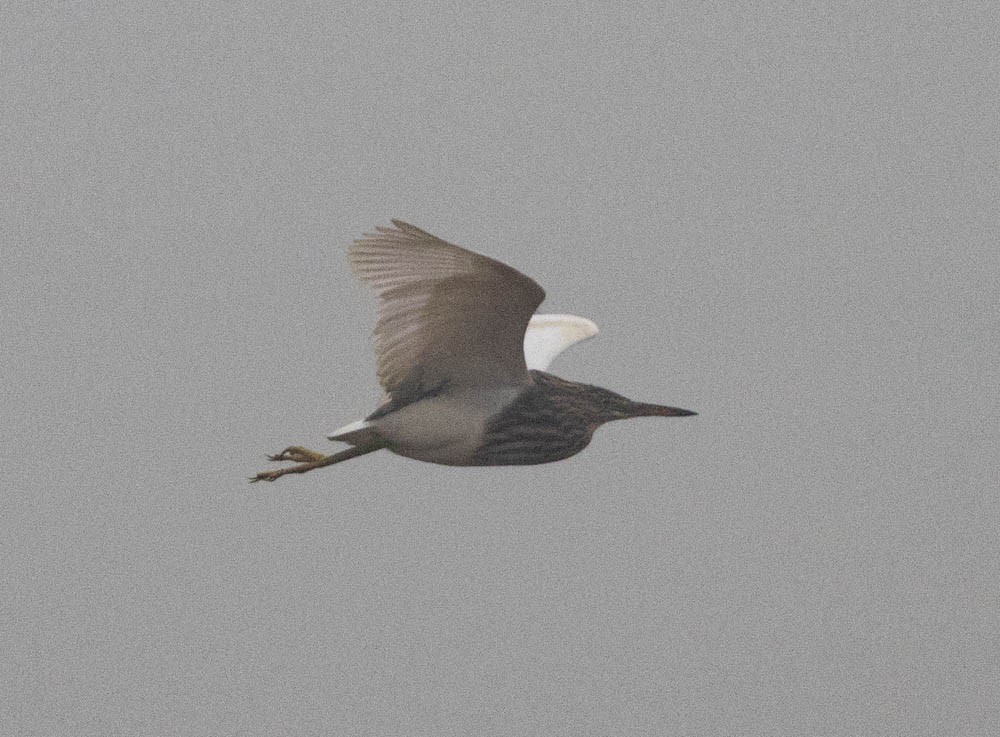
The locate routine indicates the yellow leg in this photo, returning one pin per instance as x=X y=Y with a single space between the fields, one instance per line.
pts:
x=298 y=454
x=310 y=459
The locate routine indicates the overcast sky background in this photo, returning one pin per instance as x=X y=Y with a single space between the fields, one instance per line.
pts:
x=782 y=215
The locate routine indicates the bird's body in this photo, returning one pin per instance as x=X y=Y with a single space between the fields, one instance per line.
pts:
x=446 y=427
x=462 y=361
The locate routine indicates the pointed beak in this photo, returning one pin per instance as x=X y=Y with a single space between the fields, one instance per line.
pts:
x=676 y=412
x=658 y=410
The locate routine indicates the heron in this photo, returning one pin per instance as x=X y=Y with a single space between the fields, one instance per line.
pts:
x=462 y=360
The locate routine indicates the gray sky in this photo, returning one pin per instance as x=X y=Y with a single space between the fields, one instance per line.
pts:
x=781 y=215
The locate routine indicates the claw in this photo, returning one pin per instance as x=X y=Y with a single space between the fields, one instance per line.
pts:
x=297 y=454
x=310 y=459
x=294 y=453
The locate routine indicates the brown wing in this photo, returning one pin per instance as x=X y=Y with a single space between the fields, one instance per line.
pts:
x=445 y=315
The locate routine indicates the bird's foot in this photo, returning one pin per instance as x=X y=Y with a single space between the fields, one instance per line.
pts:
x=307 y=460
x=294 y=453
x=266 y=476
x=297 y=454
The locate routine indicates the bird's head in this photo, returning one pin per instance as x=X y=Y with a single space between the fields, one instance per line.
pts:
x=607 y=406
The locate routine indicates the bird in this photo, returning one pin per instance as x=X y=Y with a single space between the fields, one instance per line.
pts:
x=461 y=357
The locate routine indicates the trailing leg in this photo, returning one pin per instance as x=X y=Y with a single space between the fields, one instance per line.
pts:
x=312 y=460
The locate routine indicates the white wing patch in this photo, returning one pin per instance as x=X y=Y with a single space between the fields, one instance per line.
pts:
x=549 y=335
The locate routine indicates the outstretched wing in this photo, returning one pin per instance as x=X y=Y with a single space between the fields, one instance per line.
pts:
x=446 y=316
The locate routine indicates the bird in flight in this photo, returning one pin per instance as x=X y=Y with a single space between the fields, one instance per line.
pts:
x=462 y=358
